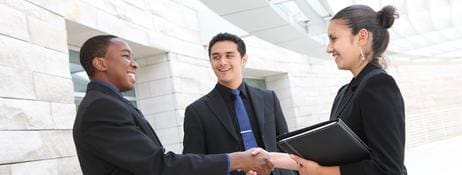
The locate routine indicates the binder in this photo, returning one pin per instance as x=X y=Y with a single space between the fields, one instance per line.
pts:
x=328 y=143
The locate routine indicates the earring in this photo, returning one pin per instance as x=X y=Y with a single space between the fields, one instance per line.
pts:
x=362 y=55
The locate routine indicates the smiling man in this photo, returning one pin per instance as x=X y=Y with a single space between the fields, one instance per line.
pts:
x=113 y=137
x=233 y=116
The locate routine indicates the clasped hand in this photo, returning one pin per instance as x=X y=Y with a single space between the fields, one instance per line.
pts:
x=279 y=160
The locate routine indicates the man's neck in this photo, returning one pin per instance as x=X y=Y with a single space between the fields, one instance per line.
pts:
x=233 y=85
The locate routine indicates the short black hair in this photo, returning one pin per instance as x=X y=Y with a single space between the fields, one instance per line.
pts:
x=94 y=47
x=228 y=37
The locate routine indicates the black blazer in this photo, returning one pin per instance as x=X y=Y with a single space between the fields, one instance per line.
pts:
x=113 y=137
x=208 y=128
x=375 y=112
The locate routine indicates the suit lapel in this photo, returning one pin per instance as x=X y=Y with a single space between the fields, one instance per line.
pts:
x=138 y=116
x=259 y=106
x=344 y=100
x=217 y=105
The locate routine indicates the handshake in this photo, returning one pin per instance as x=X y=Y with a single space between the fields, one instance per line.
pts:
x=258 y=161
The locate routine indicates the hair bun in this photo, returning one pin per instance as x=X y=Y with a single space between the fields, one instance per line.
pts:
x=386 y=16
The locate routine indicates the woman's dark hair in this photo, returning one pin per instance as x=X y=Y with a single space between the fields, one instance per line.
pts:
x=94 y=47
x=228 y=37
x=359 y=17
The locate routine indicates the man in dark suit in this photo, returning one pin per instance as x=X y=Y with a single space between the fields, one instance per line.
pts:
x=113 y=137
x=216 y=124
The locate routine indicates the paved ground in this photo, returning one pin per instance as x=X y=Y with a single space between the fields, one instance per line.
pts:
x=439 y=158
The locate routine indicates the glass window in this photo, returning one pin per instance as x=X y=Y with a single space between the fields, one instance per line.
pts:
x=80 y=80
x=255 y=82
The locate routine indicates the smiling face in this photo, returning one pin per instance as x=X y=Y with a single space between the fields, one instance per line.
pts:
x=227 y=63
x=346 y=47
x=119 y=66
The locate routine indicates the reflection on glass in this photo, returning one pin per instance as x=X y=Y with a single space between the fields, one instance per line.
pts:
x=260 y=83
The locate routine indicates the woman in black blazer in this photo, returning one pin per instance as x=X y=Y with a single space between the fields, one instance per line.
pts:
x=371 y=104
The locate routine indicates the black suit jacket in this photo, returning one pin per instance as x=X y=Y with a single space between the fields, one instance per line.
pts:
x=208 y=128
x=113 y=137
x=374 y=110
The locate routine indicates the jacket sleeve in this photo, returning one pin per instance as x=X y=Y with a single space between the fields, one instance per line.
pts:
x=109 y=132
x=194 y=134
x=382 y=116
x=281 y=124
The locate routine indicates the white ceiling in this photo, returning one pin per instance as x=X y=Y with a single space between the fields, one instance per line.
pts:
x=78 y=34
x=426 y=28
x=258 y=18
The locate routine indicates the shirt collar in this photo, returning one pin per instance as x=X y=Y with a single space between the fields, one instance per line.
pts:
x=226 y=92
x=111 y=87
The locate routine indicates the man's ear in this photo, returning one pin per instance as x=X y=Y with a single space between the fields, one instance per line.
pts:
x=363 y=37
x=244 y=60
x=99 y=64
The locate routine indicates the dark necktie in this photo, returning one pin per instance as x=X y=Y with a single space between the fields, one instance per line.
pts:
x=244 y=124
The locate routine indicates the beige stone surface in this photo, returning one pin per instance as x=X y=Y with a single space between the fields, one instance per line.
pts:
x=157 y=104
x=164 y=120
x=114 y=25
x=48 y=32
x=16 y=22
x=153 y=72
x=30 y=57
x=169 y=136
x=25 y=115
x=63 y=115
x=63 y=8
x=16 y=83
x=21 y=146
x=5 y=170
x=161 y=87
x=53 y=89
x=61 y=166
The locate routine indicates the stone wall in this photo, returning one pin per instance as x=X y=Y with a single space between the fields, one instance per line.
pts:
x=36 y=95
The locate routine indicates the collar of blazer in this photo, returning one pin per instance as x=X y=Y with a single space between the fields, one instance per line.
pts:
x=94 y=86
x=352 y=89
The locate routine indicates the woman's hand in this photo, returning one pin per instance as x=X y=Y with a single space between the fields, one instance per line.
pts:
x=283 y=161
x=279 y=160
x=251 y=173
x=308 y=167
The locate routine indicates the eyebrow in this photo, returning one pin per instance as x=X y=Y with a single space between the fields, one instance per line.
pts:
x=218 y=53
x=126 y=50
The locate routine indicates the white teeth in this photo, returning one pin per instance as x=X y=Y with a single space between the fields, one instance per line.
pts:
x=223 y=70
x=132 y=75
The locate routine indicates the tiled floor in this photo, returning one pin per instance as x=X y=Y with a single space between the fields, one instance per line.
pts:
x=439 y=158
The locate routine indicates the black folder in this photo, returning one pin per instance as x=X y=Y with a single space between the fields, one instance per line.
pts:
x=328 y=143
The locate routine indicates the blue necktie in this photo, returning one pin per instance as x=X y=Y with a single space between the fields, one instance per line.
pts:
x=244 y=124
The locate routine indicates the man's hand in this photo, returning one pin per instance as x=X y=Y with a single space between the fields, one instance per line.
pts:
x=255 y=159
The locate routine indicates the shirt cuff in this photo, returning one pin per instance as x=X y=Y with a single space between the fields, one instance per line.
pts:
x=227 y=160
